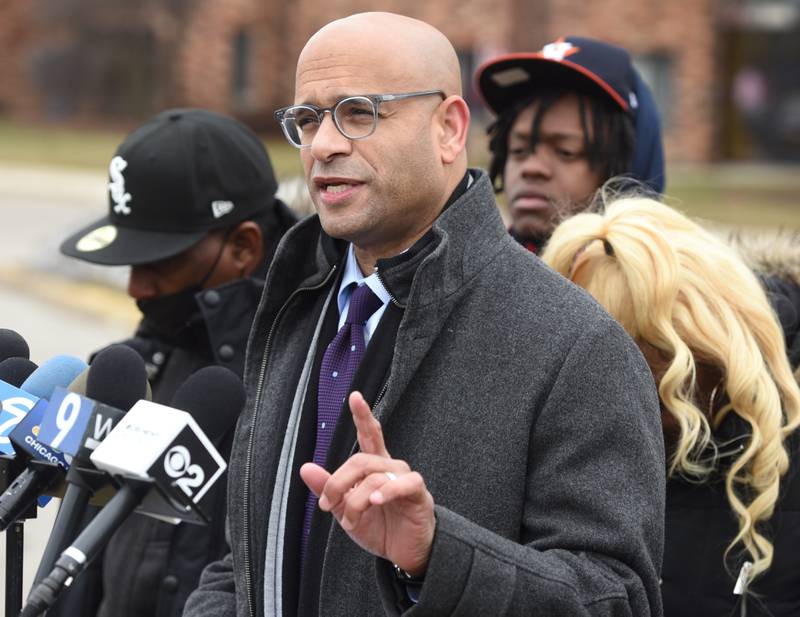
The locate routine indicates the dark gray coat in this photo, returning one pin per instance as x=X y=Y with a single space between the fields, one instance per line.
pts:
x=529 y=412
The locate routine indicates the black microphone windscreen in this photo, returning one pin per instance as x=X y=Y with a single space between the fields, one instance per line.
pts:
x=16 y=370
x=214 y=396
x=12 y=345
x=117 y=377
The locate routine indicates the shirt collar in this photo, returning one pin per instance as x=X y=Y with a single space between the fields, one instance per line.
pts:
x=352 y=274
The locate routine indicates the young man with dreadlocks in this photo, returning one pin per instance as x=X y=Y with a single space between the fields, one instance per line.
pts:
x=572 y=116
x=569 y=117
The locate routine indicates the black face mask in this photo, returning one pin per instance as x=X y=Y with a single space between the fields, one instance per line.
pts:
x=171 y=317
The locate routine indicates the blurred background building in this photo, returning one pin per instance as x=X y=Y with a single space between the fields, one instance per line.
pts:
x=724 y=71
x=75 y=75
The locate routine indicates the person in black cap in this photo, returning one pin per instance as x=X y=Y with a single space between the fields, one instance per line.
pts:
x=569 y=117
x=192 y=210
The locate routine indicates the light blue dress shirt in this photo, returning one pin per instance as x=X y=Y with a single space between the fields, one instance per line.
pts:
x=352 y=274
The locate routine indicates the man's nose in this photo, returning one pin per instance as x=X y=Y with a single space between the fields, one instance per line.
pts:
x=328 y=141
x=141 y=284
x=537 y=164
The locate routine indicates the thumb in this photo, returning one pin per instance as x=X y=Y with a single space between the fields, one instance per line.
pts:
x=315 y=477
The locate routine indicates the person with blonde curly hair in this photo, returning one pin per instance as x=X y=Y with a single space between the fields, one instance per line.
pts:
x=729 y=401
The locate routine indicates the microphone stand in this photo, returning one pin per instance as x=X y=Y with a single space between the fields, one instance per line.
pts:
x=10 y=468
x=15 y=547
x=96 y=535
x=82 y=483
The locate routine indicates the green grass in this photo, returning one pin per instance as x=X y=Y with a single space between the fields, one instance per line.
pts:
x=56 y=145
x=740 y=195
x=737 y=195
x=81 y=148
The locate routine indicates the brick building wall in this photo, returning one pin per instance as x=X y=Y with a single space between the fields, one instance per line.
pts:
x=238 y=56
x=681 y=31
x=206 y=55
x=278 y=31
x=16 y=37
x=473 y=26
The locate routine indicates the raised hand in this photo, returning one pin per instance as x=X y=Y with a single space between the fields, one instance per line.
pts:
x=381 y=504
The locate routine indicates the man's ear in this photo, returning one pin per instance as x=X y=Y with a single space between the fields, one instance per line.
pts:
x=246 y=246
x=453 y=118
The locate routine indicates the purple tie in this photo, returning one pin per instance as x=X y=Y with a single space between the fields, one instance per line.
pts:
x=338 y=368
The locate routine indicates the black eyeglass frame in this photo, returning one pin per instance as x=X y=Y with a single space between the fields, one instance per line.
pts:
x=374 y=99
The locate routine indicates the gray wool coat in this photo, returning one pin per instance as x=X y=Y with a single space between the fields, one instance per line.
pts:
x=530 y=413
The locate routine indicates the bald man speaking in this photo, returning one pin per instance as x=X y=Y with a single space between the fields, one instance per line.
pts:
x=436 y=423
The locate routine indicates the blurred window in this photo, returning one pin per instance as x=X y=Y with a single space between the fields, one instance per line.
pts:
x=658 y=71
x=242 y=62
x=469 y=63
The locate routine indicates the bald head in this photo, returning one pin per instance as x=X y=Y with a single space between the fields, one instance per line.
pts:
x=382 y=164
x=410 y=53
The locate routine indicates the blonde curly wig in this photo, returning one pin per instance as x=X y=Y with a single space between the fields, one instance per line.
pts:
x=680 y=289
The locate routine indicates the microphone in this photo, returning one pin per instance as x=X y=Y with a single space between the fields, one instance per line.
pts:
x=16 y=370
x=29 y=401
x=169 y=448
x=76 y=424
x=22 y=493
x=15 y=403
x=214 y=395
x=154 y=445
x=116 y=379
x=13 y=371
x=57 y=371
x=13 y=348
x=12 y=345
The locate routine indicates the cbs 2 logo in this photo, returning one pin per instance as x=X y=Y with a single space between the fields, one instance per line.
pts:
x=178 y=465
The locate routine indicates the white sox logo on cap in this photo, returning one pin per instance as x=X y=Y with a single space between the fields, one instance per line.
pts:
x=117 y=186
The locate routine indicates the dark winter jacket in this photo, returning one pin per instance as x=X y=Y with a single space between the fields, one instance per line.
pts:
x=647 y=164
x=529 y=412
x=149 y=567
x=699 y=527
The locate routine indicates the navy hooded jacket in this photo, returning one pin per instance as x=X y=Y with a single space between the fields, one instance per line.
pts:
x=647 y=164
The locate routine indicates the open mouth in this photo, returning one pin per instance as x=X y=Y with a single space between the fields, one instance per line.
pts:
x=336 y=188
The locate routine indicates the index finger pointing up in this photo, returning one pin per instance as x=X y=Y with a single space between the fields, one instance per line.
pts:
x=368 y=429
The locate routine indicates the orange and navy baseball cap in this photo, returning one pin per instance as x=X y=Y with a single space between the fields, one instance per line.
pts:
x=581 y=63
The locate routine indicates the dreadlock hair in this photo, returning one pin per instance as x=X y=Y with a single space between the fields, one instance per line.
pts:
x=609 y=149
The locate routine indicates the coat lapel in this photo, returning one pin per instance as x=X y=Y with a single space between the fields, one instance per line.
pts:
x=468 y=235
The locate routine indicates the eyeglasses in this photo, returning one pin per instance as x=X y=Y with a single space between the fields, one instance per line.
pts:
x=354 y=116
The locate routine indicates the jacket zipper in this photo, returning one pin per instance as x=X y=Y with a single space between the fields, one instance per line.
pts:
x=391 y=295
x=251 y=442
x=381 y=393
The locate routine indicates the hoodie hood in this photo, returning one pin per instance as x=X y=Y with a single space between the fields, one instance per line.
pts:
x=647 y=165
